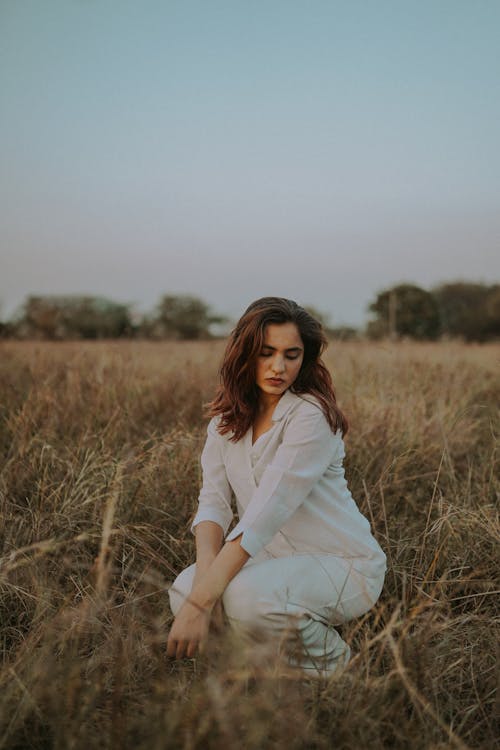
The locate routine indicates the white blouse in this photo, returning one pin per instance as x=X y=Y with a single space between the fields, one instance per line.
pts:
x=290 y=491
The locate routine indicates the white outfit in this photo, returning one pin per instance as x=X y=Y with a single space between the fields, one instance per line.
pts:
x=314 y=561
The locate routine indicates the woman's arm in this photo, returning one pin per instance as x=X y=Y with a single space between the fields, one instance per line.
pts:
x=211 y=522
x=222 y=570
x=209 y=536
x=307 y=449
x=214 y=501
x=190 y=629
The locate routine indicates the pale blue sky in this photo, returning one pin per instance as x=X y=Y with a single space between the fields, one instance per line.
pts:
x=314 y=150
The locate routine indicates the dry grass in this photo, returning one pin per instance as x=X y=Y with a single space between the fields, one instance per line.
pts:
x=99 y=451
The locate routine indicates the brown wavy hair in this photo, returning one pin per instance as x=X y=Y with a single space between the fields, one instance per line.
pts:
x=237 y=398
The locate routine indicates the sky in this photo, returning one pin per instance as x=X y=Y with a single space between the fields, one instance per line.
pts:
x=321 y=151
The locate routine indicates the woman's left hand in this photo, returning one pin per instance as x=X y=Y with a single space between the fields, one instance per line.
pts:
x=189 y=632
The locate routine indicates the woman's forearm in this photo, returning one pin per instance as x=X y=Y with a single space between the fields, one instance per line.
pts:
x=209 y=537
x=212 y=583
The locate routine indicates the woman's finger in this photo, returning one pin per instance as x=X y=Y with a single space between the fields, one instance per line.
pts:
x=181 y=648
x=171 y=646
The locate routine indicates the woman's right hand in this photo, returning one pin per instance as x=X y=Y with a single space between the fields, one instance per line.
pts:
x=189 y=632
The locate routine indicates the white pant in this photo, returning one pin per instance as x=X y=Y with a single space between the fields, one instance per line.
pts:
x=303 y=594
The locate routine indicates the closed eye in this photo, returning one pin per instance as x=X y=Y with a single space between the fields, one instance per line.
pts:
x=287 y=356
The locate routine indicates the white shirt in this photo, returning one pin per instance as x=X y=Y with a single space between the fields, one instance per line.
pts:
x=290 y=491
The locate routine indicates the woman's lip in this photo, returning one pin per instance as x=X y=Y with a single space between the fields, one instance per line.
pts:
x=275 y=380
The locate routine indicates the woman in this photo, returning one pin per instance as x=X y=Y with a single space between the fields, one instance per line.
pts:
x=301 y=557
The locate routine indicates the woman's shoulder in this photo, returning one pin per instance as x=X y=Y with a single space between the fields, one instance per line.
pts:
x=305 y=404
x=308 y=407
x=309 y=403
x=213 y=430
x=213 y=426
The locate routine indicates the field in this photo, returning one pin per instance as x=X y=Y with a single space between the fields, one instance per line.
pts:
x=99 y=475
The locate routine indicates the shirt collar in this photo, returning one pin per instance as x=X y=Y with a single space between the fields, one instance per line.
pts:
x=284 y=405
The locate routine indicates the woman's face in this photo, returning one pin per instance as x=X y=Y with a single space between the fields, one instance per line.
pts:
x=280 y=359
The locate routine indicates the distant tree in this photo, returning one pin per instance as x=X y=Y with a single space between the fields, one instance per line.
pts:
x=41 y=317
x=183 y=317
x=404 y=310
x=469 y=310
x=98 y=317
x=6 y=330
x=492 y=307
x=73 y=316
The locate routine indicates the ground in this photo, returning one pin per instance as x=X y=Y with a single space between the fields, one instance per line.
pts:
x=99 y=452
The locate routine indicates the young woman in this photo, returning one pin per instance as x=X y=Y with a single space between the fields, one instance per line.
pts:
x=301 y=558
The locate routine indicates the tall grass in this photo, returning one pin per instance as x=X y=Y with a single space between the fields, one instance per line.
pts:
x=99 y=451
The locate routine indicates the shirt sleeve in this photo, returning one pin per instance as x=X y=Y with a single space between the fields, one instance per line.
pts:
x=307 y=449
x=214 y=502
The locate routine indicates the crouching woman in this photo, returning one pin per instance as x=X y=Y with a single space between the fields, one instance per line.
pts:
x=301 y=557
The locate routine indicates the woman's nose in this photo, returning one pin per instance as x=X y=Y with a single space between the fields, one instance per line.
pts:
x=278 y=364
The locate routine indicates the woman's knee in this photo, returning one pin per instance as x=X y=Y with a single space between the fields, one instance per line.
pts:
x=249 y=605
x=359 y=601
x=181 y=588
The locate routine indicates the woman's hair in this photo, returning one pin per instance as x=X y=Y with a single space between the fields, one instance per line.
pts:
x=237 y=397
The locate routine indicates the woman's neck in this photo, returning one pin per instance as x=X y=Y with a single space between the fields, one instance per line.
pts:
x=267 y=403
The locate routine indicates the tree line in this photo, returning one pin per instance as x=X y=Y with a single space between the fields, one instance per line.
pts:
x=55 y=317
x=470 y=311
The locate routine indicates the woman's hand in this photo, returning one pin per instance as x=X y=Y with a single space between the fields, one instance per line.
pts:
x=189 y=633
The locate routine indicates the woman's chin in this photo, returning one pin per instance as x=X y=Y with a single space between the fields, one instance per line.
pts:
x=273 y=390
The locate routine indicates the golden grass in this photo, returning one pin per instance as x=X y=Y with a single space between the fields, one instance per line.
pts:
x=99 y=447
